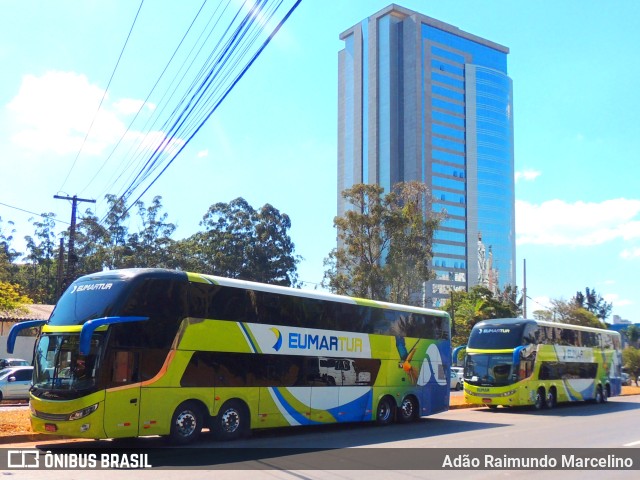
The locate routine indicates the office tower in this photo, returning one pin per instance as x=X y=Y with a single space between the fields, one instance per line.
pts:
x=422 y=100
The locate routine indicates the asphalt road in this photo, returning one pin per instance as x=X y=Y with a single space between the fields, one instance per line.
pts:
x=381 y=451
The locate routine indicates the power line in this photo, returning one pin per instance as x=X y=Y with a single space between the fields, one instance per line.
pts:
x=146 y=99
x=31 y=213
x=103 y=96
x=228 y=90
x=219 y=68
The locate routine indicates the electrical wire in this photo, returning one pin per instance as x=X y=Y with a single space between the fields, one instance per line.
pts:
x=206 y=94
x=115 y=68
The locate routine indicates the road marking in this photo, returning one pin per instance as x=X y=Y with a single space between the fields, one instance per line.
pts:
x=632 y=444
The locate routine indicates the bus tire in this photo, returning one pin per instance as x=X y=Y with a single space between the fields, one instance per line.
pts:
x=539 y=400
x=599 y=394
x=605 y=394
x=385 y=410
x=186 y=423
x=232 y=421
x=552 y=398
x=408 y=410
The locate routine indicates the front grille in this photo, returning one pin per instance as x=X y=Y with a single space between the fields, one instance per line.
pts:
x=54 y=417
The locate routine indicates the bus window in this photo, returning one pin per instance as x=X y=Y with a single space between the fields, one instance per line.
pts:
x=123 y=367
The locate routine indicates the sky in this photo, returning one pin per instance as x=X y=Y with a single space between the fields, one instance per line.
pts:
x=274 y=137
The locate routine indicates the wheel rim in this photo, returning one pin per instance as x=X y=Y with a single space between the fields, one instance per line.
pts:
x=230 y=421
x=408 y=409
x=551 y=400
x=186 y=423
x=384 y=411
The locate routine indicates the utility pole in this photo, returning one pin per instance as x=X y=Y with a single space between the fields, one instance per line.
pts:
x=524 y=289
x=60 y=276
x=72 y=258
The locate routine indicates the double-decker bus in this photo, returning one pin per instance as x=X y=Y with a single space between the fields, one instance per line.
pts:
x=513 y=362
x=138 y=352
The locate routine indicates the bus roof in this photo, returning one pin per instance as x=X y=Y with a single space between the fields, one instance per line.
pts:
x=135 y=273
x=544 y=323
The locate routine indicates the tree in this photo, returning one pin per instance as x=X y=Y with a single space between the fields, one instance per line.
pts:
x=384 y=250
x=11 y=299
x=479 y=303
x=631 y=361
x=573 y=314
x=38 y=274
x=632 y=332
x=593 y=302
x=241 y=242
x=7 y=254
x=151 y=246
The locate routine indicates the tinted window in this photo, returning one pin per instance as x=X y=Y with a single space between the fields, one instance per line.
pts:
x=496 y=336
x=211 y=369
x=88 y=300
x=228 y=303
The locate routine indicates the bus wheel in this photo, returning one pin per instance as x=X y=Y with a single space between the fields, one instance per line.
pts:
x=186 y=423
x=408 y=411
x=493 y=407
x=539 y=403
x=601 y=395
x=384 y=412
x=605 y=394
x=552 y=399
x=232 y=421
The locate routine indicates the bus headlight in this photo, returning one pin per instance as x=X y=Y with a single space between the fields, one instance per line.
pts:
x=83 y=413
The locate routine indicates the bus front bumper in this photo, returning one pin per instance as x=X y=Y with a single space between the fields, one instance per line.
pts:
x=81 y=422
x=491 y=396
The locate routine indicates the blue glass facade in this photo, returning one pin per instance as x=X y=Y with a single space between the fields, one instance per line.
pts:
x=437 y=106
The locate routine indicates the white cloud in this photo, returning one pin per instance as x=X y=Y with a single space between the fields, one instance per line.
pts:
x=556 y=222
x=527 y=175
x=129 y=106
x=202 y=154
x=630 y=253
x=54 y=112
x=615 y=299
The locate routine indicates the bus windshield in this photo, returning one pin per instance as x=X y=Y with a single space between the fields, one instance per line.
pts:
x=60 y=367
x=88 y=300
x=496 y=336
x=489 y=369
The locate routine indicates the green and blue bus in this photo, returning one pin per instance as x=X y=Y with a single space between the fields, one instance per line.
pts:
x=514 y=362
x=140 y=352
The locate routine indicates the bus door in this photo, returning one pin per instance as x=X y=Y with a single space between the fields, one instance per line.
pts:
x=122 y=398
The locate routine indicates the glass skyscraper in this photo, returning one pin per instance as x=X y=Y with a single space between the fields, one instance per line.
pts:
x=423 y=100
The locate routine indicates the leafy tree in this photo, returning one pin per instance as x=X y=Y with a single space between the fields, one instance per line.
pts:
x=241 y=242
x=631 y=361
x=8 y=255
x=632 y=332
x=384 y=250
x=594 y=303
x=39 y=273
x=11 y=299
x=573 y=314
x=92 y=245
x=151 y=246
x=479 y=303
x=543 y=315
